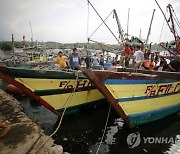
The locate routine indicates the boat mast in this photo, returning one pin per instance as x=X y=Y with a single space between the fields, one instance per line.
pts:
x=173 y=30
x=13 y=49
x=31 y=33
x=121 y=35
x=147 y=39
x=140 y=33
x=128 y=23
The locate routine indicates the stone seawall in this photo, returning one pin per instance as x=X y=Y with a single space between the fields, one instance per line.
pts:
x=24 y=136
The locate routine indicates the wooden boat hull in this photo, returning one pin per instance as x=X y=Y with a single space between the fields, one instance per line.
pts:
x=141 y=98
x=54 y=89
x=144 y=101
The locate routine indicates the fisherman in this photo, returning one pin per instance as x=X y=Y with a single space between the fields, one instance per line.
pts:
x=101 y=61
x=75 y=60
x=138 y=57
x=88 y=61
x=126 y=55
x=61 y=60
x=95 y=60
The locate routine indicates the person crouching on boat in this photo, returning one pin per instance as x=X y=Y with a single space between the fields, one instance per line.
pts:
x=61 y=60
x=138 y=57
x=75 y=60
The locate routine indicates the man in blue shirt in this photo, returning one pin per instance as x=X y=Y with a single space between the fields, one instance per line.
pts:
x=75 y=60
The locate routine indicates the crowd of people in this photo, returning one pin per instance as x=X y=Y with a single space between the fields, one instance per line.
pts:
x=130 y=57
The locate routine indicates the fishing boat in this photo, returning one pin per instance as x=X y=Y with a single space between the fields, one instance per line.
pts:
x=139 y=98
x=55 y=89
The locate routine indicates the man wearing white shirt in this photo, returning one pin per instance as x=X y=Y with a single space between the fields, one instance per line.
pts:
x=138 y=57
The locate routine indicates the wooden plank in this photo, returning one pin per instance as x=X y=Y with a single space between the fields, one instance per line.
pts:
x=102 y=88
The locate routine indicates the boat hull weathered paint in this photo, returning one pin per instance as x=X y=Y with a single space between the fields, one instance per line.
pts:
x=57 y=89
x=142 y=97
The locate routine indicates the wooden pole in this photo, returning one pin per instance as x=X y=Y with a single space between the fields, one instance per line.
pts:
x=150 y=27
x=128 y=23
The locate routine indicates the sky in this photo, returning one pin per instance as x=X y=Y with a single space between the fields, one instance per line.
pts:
x=69 y=21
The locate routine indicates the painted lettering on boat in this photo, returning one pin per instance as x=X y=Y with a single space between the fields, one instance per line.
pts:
x=153 y=90
x=68 y=84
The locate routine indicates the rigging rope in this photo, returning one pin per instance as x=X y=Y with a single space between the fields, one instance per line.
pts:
x=101 y=24
x=176 y=18
x=60 y=121
x=162 y=28
x=104 y=130
x=104 y=22
x=176 y=22
x=163 y=14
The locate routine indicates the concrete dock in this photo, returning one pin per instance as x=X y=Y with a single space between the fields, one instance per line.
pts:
x=24 y=136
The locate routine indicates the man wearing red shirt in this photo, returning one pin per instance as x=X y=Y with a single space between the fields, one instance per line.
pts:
x=127 y=55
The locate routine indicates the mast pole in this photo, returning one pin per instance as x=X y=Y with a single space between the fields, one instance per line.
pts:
x=173 y=30
x=150 y=27
x=13 y=49
x=31 y=33
x=128 y=23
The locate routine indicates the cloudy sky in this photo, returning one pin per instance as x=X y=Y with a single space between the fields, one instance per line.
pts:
x=66 y=20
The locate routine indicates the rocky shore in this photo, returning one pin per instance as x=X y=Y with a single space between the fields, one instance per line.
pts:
x=24 y=136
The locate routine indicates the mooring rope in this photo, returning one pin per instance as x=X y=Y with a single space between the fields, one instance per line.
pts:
x=66 y=103
x=104 y=130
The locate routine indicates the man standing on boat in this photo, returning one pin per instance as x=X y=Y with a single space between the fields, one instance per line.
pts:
x=138 y=57
x=75 y=60
x=125 y=57
x=61 y=60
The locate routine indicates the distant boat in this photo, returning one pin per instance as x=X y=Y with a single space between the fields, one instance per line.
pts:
x=139 y=98
x=54 y=89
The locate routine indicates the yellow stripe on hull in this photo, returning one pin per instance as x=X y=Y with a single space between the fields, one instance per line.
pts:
x=135 y=90
x=59 y=101
x=73 y=99
x=138 y=98
x=41 y=84
x=139 y=106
